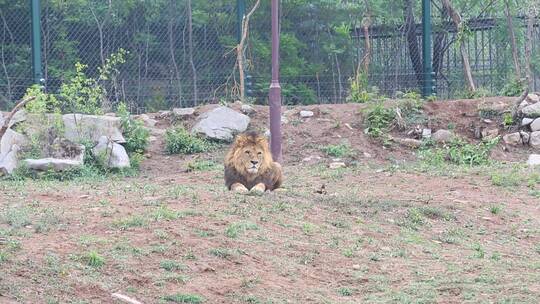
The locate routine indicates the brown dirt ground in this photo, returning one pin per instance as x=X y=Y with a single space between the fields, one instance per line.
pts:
x=368 y=233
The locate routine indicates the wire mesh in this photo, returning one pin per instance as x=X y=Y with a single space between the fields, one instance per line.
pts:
x=181 y=52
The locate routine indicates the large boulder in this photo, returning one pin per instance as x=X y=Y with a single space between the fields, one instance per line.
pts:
x=82 y=127
x=532 y=97
x=221 y=123
x=183 y=112
x=535 y=125
x=9 y=139
x=9 y=161
x=534 y=160
x=113 y=154
x=532 y=111
x=513 y=139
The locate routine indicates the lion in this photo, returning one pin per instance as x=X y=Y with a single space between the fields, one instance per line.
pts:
x=249 y=165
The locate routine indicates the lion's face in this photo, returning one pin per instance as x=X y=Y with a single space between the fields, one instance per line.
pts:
x=250 y=154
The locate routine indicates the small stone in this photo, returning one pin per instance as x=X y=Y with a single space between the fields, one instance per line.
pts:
x=490 y=133
x=534 y=141
x=535 y=125
x=534 y=160
x=512 y=139
x=442 y=136
x=247 y=109
x=284 y=120
x=488 y=121
x=367 y=155
x=426 y=133
x=306 y=114
x=183 y=112
x=525 y=137
x=409 y=142
x=356 y=267
x=526 y=121
x=337 y=165
x=267 y=133
x=312 y=159
x=533 y=98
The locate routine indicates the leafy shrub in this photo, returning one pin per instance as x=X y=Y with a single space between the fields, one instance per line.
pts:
x=180 y=141
x=513 y=87
x=341 y=150
x=378 y=120
x=459 y=152
x=135 y=133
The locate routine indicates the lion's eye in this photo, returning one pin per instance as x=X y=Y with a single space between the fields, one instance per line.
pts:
x=259 y=153
x=247 y=152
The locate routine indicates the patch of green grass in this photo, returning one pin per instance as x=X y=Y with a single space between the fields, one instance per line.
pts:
x=459 y=152
x=495 y=209
x=184 y=298
x=179 y=141
x=309 y=228
x=233 y=230
x=16 y=217
x=93 y=259
x=339 y=151
x=479 y=251
x=345 y=291
x=452 y=236
x=418 y=216
x=171 y=265
x=203 y=165
x=48 y=219
x=164 y=213
x=130 y=222
x=223 y=253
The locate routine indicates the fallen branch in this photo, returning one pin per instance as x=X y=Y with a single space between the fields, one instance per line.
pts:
x=16 y=109
x=125 y=298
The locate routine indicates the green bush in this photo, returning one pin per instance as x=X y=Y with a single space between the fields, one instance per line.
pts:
x=378 y=120
x=341 y=150
x=179 y=141
x=459 y=152
x=135 y=133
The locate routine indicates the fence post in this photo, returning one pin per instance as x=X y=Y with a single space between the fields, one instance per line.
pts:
x=36 y=42
x=275 y=88
x=428 y=87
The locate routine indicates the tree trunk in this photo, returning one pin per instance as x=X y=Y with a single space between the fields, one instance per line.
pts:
x=190 y=38
x=456 y=18
x=528 y=47
x=515 y=54
x=410 y=33
x=240 y=50
x=366 y=60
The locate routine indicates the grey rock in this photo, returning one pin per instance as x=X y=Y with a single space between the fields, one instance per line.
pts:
x=247 y=109
x=312 y=159
x=532 y=111
x=535 y=125
x=114 y=155
x=534 y=141
x=525 y=137
x=55 y=164
x=442 y=136
x=306 y=114
x=221 y=123
x=522 y=105
x=513 y=139
x=426 y=133
x=526 y=121
x=18 y=117
x=9 y=161
x=82 y=127
x=183 y=112
x=534 y=160
x=408 y=142
x=147 y=120
x=336 y=165
x=9 y=139
x=65 y=149
x=533 y=98
x=490 y=133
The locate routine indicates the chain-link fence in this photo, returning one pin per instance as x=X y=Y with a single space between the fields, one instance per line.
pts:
x=181 y=52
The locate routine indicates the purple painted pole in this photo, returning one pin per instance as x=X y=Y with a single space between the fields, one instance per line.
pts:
x=275 y=88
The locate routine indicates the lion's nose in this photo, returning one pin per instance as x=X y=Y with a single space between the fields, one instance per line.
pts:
x=254 y=162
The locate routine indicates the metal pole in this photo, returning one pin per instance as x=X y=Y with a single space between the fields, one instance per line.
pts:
x=428 y=85
x=36 y=42
x=275 y=88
